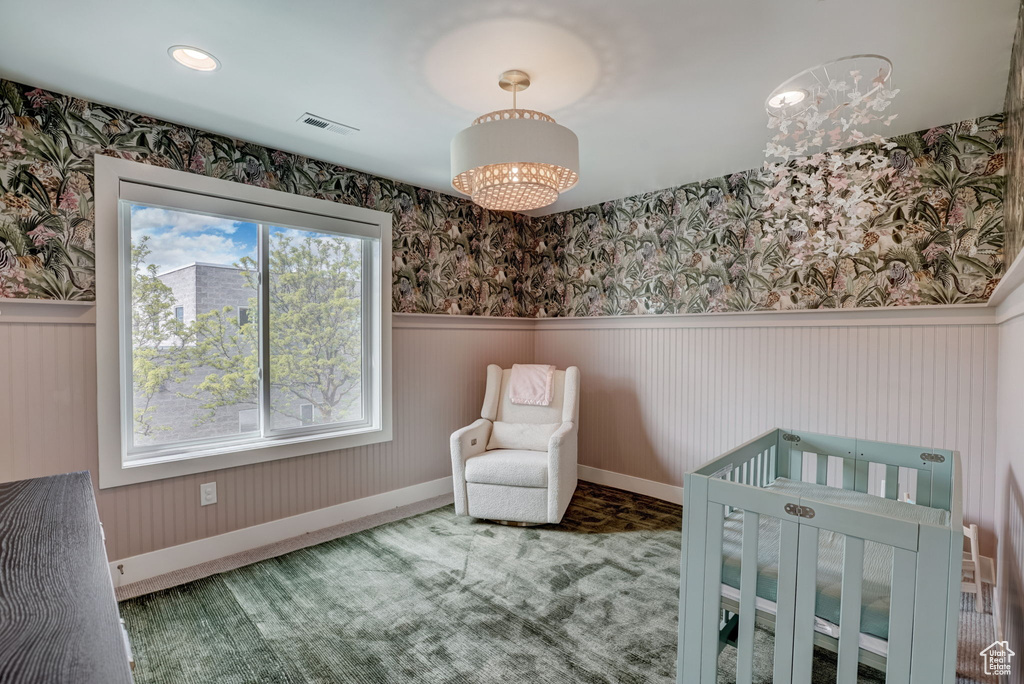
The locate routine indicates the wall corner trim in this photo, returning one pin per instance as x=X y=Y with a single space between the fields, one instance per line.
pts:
x=637 y=485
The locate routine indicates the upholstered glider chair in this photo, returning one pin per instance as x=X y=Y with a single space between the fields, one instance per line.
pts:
x=517 y=463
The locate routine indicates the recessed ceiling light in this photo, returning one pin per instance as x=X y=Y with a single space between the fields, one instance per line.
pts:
x=787 y=99
x=193 y=58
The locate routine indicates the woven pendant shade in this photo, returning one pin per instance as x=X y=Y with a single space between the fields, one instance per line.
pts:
x=514 y=160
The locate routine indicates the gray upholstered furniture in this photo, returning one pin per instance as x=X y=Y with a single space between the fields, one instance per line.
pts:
x=518 y=463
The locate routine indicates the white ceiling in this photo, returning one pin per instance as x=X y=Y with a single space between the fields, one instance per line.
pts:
x=659 y=92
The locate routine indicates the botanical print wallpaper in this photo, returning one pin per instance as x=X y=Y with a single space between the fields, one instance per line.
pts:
x=450 y=256
x=916 y=220
x=1015 y=146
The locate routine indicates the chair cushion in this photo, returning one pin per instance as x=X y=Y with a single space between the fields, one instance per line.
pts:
x=532 y=436
x=515 y=467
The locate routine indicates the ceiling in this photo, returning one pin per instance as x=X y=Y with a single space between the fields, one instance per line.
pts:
x=660 y=93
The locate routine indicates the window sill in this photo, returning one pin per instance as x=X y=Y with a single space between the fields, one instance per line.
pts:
x=230 y=456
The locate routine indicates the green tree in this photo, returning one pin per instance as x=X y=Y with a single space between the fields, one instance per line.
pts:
x=158 y=339
x=315 y=342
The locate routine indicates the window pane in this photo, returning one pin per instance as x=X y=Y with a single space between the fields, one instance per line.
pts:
x=194 y=367
x=315 y=346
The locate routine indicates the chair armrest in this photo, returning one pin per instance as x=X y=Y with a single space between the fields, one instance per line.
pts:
x=561 y=469
x=471 y=440
x=465 y=443
x=561 y=435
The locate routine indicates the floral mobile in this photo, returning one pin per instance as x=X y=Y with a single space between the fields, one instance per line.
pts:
x=831 y=174
x=832 y=106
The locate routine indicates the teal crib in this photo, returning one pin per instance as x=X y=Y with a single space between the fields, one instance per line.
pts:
x=851 y=545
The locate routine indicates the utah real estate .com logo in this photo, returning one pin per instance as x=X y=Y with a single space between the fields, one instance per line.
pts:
x=997 y=659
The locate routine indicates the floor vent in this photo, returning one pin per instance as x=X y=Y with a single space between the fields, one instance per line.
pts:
x=327 y=124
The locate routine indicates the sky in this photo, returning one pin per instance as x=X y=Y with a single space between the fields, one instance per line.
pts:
x=179 y=238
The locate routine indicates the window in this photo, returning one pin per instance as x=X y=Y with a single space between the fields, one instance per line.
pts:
x=248 y=420
x=288 y=345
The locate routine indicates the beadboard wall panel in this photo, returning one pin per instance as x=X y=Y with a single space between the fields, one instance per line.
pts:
x=48 y=426
x=1008 y=476
x=659 y=401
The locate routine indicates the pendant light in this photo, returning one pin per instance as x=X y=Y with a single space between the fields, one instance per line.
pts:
x=515 y=159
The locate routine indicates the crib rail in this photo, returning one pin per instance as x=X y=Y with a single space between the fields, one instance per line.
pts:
x=888 y=470
x=925 y=558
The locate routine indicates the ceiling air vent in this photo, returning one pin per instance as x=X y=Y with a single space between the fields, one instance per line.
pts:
x=327 y=124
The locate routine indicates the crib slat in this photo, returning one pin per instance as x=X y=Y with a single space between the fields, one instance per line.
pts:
x=783 y=455
x=932 y=579
x=691 y=598
x=786 y=604
x=849 y=473
x=712 y=594
x=901 y=616
x=862 y=476
x=806 y=592
x=892 y=482
x=748 y=600
x=823 y=469
x=924 y=488
x=849 y=609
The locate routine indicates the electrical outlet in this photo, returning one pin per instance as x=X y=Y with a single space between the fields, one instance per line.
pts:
x=207 y=493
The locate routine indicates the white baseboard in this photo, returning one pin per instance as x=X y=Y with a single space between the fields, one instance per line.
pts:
x=173 y=558
x=658 y=490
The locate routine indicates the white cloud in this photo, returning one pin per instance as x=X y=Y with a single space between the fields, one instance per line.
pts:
x=170 y=251
x=178 y=238
x=150 y=220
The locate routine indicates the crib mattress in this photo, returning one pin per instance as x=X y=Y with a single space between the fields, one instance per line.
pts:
x=877 y=557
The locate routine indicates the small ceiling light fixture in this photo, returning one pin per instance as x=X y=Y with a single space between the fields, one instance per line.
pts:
x=515 y=159
x=787 y=99
x=193 y=58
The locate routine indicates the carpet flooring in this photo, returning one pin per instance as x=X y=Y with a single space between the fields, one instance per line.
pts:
x=436 y=598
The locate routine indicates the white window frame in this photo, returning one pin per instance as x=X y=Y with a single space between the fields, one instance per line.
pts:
x=239 y=317
x=118 y=179
x=181 y=318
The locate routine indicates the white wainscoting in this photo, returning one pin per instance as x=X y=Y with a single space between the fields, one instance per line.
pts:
x=1008 y=476
x=48 y=425
x=661 y=395
x=661 y=399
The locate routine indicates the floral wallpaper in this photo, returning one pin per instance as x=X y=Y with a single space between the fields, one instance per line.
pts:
x=917 y=219
x=450 y=256
x=1015 y=146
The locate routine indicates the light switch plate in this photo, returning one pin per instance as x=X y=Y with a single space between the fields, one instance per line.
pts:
x=207 y=493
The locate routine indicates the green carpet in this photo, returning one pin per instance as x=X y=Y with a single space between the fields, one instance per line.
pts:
x=435 y=598
x=440 y=599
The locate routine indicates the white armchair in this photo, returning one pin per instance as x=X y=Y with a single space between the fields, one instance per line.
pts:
x=533 y=482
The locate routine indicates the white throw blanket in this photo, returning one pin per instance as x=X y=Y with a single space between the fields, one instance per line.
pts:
x=531 y=384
